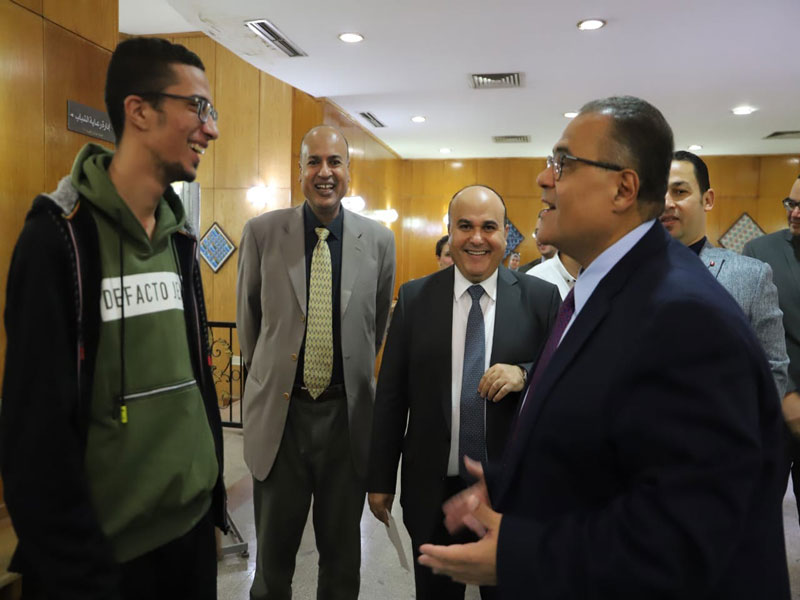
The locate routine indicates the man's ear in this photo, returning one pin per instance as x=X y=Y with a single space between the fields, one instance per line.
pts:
x=138 y=113
x=708 y=199
x=627 y=190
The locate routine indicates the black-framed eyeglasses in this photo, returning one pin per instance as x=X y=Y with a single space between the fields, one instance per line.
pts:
x=557 y=162
x=790 y=204
x=204 y=107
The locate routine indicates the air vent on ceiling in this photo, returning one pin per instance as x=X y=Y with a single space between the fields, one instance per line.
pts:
x=783 y=135
x=373 y=120
x=511 y=139
x=496 y=80
x=273 y=37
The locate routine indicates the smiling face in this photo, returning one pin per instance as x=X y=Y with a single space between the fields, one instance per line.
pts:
x=685 y=207
x=179 y=138
x=578 y=217
x=324 y=173
x=477 y=232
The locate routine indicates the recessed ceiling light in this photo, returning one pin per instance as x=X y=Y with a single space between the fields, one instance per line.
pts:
x=695 y=147
x=445 y=150
x=571 y=114
x=351 y=38
x=419 y=119
x=744 y=110
x=591 y=24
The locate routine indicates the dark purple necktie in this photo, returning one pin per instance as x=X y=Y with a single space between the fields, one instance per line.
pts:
x=562 y=320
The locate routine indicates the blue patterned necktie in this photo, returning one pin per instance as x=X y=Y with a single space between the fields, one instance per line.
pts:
x=471 y=435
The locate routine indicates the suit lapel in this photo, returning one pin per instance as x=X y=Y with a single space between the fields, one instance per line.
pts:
x=352 y=247
x=439 y=330
x=294 y=254
x=590 y=317
x=508 y=303
x=709 y=258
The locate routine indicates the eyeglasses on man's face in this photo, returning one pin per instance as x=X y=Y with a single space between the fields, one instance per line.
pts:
x=557 y=163
x=204 y=107
x=790 y=204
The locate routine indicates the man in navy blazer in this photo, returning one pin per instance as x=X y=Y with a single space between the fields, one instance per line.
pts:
x=645 y=461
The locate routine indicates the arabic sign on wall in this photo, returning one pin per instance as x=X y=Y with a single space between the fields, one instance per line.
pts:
x=89 y=121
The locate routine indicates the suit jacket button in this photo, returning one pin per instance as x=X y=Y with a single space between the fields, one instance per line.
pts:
x=294 y=356
x=285 y=395
x=302 y=318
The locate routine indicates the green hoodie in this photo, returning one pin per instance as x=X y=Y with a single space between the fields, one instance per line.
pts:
x=150 y=458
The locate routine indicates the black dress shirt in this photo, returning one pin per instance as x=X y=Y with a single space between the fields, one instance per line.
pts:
x=334 y=241
x=697 y=247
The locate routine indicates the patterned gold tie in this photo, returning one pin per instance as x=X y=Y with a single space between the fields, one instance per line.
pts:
x=318 y=364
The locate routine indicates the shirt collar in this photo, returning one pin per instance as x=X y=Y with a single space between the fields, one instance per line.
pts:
x=697 y=247
x=562 y=270
x=311 y=222
x=461 y=283
x=590 y=278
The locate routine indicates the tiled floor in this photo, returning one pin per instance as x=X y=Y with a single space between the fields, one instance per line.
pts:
x=382 y=578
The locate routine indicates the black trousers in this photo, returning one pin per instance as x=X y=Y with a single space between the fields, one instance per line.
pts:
x=186 y=567
x=440 y=587
x=314 y=460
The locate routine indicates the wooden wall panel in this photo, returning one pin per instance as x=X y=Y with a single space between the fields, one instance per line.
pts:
x=205 y=48
x=94 y=20
x=306 y=113
x=74 y=69
x=231 y=211
x=275 y=134
x=237 y=97
x=34 y=5
x=22 y=133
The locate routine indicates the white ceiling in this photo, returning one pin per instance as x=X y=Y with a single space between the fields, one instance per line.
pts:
x=693 y=59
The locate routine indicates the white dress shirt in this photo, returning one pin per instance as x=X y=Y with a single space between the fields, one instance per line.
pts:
x=462 y=302
x=553 y=271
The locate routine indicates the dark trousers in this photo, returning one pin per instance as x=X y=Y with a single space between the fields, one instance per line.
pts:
x=314 y=460
x=793 y=465
x=186 y=567
x=441 y=587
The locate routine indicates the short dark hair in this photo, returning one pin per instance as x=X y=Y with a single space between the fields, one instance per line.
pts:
x=141 y=65
x=700 y=168
x=642 y=140
x=440 y=245
x=494 y=191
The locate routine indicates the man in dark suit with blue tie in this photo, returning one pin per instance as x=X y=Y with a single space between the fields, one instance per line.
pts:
x=460 y=344
x=645 y=460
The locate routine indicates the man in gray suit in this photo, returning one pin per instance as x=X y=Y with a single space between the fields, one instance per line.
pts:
x=313 y=296
x=781 y=250
x=689 y=197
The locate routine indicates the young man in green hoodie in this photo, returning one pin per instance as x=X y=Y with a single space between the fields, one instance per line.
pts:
x=109 y=430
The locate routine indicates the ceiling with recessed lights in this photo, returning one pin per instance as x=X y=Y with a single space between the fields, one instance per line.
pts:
x=694 y=59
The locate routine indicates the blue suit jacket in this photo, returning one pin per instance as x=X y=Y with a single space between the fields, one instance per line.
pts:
x=647 y=465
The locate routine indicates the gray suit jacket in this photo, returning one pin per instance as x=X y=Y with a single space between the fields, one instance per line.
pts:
x=776 y=249
x=749 y=281
x=270 y=317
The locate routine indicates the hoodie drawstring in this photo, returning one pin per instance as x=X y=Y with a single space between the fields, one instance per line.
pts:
x=123 y=409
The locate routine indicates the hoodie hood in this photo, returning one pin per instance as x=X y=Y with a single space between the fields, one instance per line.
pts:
x=90 y=178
